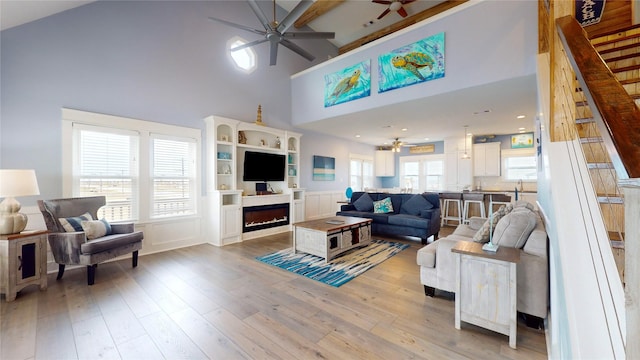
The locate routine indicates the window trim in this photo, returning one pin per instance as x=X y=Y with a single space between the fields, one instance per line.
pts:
x=420 y=159
x=362 y=158
x=144 y=129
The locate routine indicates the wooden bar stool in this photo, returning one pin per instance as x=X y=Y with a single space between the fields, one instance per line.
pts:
x=449 y=199
x=498 y=199
x=469 y=199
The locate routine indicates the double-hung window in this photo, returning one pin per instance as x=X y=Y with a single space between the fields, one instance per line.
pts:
x=145 y=170
x=173 y=176
x=422 y=173
x=360 y=172
x=519 y=165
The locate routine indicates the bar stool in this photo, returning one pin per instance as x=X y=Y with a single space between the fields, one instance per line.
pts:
x=449 y=199
x=498 y=199
x=469 y=199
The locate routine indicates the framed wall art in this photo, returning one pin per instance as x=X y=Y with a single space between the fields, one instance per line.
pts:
x=350 y=83
x=412 y=64
x=324 y=168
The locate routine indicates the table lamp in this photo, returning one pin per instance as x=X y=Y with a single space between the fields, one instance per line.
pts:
x=13 y=183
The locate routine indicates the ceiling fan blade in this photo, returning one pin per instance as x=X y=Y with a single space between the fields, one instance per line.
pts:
x=383 y=14
x=249 y=44
x=383 y=2
x=403 y=2
x=309 y=35
x=273 y=56
x=238 y=26
x=402 y=12
x=294 y=15
x=263 y=19
x=297 y=49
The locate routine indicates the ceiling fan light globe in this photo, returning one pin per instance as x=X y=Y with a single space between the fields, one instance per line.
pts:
x=395 y=6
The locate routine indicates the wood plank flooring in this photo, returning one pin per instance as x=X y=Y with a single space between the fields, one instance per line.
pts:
x=220 y=303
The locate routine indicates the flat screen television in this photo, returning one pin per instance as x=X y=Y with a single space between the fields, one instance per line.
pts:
x=260 y=166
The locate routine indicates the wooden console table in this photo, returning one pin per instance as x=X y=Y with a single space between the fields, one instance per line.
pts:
x=486 y=288
x=23 y=261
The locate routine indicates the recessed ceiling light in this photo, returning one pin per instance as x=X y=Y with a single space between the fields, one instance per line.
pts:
x=357 y=135
x=404 y=129
x=426 y=138
x=521 y=129
x=520 y=116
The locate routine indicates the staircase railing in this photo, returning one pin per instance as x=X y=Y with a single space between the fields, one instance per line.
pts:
x=618 y=119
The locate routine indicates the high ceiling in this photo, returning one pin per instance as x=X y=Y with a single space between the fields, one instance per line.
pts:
x=490 y=109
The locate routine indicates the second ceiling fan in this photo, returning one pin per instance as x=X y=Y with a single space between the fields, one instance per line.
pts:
x=276 y=32
x=394 y=5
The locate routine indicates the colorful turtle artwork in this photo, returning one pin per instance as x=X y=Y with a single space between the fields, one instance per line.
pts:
x=346 y=84
x=413 y=62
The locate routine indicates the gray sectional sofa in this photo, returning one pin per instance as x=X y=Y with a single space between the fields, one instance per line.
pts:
x=518 y=226
x=402 y=214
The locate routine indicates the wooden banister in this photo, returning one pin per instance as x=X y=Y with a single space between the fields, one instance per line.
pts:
x=617 y=115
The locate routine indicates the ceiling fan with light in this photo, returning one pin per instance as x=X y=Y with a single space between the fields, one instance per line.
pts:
x=275 y=32
x=397 y=144
x=394 y=5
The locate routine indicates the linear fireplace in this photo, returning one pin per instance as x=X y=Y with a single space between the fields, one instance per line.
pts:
x=264 y=217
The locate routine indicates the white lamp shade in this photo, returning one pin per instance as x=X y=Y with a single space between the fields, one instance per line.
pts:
x=18 y=182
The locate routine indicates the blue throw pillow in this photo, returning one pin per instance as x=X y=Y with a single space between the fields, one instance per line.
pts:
x=383 y=206
x=364 y=203
x=72 y=224
x=415 y=205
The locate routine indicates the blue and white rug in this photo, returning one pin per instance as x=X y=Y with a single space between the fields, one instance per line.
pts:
x=339 y=270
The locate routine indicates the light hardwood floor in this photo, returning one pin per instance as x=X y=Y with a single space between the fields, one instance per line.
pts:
x=220 y=303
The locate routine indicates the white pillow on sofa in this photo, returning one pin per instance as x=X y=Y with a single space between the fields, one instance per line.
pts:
x=514 y=229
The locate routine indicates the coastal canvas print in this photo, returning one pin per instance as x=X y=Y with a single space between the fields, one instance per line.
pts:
x=324 y=168
x=351 y=83
x=412 y=64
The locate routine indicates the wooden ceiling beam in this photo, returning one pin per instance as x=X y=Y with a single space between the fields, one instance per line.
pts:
x=319 y=8
x=425 y=14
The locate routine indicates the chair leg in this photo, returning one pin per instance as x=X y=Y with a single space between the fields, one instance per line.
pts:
x=429 y=291
x=91 y=274
x=60 y=271
x=134 y=259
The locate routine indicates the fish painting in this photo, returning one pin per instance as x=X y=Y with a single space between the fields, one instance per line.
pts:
x=413 y=62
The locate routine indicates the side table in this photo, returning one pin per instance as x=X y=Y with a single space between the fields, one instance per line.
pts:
x=23 y=261
x=486 y=288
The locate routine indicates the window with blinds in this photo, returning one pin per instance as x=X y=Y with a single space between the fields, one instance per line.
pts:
x=107 y=166
x=173 y=176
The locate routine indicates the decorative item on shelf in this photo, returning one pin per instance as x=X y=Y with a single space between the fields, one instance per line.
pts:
x=349 y=193
x=13 y=183
x=259 y=117
x=224 y=138
x=263 y=142
x=292 y=171
x=295 y=185
x=278 y=142
x=224 y=155
x=223 y=186
x=290 y=159
x=227 y=169
x=242 y=138
x=292 y=146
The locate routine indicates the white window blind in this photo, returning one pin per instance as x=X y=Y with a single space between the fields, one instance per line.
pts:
x=106 y=165
x=360 y=173
x=173 y=176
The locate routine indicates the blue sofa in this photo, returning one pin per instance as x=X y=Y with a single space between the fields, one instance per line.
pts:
x=409 y=214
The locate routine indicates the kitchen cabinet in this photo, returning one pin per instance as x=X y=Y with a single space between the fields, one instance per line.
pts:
x=486 y=159
x=385 y=163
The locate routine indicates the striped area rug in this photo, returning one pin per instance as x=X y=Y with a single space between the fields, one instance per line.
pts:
x=339 y=270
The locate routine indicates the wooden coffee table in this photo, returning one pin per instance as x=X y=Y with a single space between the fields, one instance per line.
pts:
x=329 y=237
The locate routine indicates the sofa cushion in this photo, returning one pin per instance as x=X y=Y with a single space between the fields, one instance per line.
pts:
x=514 y=228
x=74 y=223
x=383 y=206
x=364 y=203
x=96 y=228
x=415 y=205
x=409 y=220
x=110 y=242
x=482 y=235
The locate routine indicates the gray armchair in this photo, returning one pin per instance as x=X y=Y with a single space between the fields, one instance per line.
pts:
x=74 y=248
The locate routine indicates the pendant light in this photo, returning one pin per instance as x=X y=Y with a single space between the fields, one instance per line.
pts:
x=465 y=155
